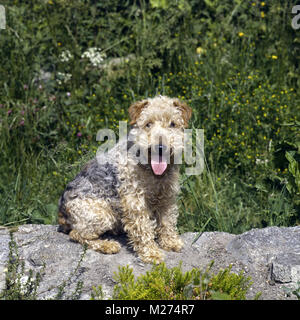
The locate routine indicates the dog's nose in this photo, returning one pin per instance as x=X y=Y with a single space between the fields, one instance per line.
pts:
x=160 y=148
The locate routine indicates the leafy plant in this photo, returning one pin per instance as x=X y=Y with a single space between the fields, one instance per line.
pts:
x=75 y=295
x=19 y=286
x=293 y=291
x=173 y=284
x=293 y=185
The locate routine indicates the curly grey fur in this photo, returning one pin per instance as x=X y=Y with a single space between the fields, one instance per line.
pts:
x=99 y=181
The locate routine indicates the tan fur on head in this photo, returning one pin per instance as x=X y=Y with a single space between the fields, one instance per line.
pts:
x=185 y=110
x=136 y=109
x=160 y=118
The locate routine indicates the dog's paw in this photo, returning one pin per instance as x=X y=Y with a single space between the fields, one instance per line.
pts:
x=170 y=243
x=105 y=246
x=151 y=255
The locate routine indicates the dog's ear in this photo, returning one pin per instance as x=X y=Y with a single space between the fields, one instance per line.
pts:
x=185 y=110
x=136 y=109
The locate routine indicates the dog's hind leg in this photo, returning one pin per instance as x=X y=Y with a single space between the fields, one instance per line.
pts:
x=91 y=218
x=104 y=246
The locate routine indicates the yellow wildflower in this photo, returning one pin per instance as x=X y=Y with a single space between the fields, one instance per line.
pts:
x=200 y=50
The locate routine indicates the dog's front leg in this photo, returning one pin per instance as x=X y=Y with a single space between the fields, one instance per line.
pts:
x=140 y=228
x=168 y=238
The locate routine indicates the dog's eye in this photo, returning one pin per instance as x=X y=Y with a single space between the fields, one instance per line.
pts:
x=172 y=124
x=148 y=125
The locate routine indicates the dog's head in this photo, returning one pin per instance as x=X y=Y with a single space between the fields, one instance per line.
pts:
x=158 y=130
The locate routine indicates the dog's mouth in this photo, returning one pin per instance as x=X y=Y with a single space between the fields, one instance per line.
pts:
x=159 y=164
x=155 y=158
x=158 y=159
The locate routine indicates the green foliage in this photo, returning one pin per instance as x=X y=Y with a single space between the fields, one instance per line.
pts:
x=293 y=184
x=19 y=286
x=293 y=291
x=222 y=57
x=161 y=283
x=97 y=293
x=76 y=294
x=230 y=284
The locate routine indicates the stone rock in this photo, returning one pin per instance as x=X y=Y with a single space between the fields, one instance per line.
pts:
x=286 y=268
x=270 y=256
x=262 y=245
x=4 y=250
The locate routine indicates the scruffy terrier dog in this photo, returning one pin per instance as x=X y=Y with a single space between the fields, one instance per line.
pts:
x=132 y=191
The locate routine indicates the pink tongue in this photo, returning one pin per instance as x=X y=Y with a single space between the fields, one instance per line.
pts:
x=159 y=167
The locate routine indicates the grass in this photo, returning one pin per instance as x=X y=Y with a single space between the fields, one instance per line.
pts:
x=206 y=207
x=223 y=58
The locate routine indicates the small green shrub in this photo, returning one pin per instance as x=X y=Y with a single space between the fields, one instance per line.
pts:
x=161 y=283
x=293 y=291
x=97 y=293
x=18 y=286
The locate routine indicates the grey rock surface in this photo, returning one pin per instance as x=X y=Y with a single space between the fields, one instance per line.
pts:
x=270 y=256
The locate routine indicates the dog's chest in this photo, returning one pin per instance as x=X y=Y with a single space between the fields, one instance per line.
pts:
x=155 y=191
x=157 y=194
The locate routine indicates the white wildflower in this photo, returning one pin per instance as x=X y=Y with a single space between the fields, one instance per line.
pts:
x=95 y=56
x=25 y=282
x=261 y=161
x=63 y=77
x=65 y=56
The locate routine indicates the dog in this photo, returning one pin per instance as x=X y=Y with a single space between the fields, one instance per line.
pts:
x=133 y=188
